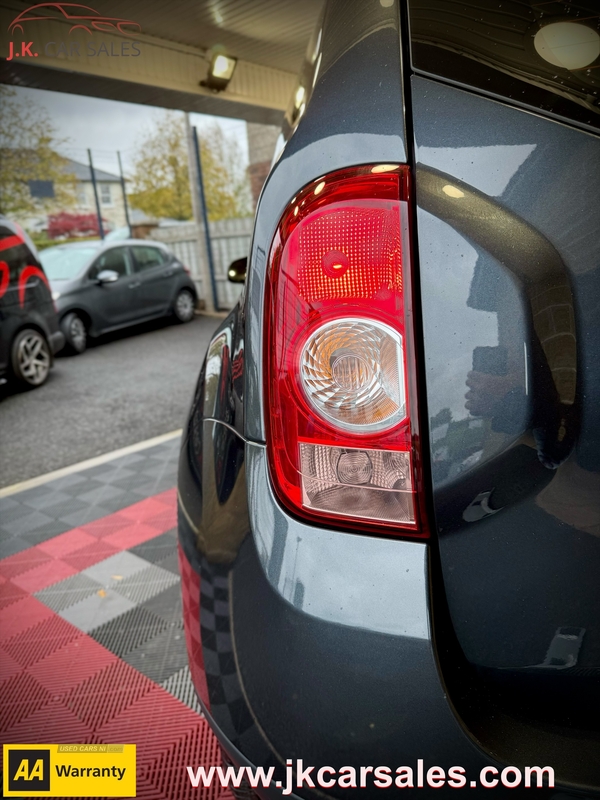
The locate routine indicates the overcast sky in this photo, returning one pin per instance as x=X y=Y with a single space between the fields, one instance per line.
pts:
x=107 y=125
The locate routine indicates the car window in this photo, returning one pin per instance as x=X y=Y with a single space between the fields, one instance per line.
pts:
x=118 y=259
x=65 y=263
x=540 y=54
x=147 y=257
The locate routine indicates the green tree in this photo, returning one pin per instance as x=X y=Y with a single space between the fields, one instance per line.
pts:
x=28 y=147
x=161 y=182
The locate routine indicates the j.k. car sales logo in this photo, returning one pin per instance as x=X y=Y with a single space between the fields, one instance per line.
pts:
x=82 y=19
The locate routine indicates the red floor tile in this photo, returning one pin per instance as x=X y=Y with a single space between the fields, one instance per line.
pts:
x=21 y=562
x=44 y=575
x=66 y=543
x=10 y=593
x=21 y=695
x=8 y=667
x=21 y=616
x=168 y=772
x=72 y=664
x=153 y=722
x=45 y=638
x=133 y=535
x=107 y=693
x=91 y=554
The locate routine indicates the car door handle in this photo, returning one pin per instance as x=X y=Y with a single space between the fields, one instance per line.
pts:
x=135 y=284
x=167 y=273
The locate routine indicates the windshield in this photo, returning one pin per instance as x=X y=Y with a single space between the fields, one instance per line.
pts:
x=65 y=263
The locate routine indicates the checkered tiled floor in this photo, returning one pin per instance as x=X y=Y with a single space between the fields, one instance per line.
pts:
x=92 y=647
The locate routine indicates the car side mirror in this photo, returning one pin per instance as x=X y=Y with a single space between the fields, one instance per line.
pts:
x=107 y=276
x=237 y=270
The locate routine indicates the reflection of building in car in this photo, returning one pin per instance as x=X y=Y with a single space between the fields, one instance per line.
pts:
x=100 y=288
x=29 y=332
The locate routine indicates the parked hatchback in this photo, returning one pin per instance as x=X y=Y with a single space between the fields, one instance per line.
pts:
x=389 y=487
x=29 y=332
x=99 y=288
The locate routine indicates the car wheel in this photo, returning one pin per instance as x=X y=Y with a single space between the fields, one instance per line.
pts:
x=30 y=357
x=75 y=333
x=183 y=308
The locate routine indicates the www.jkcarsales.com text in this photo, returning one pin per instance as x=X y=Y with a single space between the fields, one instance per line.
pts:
x=299 y=776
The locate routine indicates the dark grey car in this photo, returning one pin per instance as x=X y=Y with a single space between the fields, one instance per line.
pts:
x=100 y=288
x=389 y=487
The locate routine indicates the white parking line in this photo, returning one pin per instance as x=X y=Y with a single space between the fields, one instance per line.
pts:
x=90 y=462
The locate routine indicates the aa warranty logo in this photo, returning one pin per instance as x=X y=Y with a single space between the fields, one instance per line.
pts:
x=69 y=770
x=81 y=20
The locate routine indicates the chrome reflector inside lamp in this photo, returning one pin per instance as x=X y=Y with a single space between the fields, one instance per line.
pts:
x=352 y=372
x=373 y=484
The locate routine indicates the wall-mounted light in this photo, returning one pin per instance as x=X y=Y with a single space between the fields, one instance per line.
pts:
x=220 y=72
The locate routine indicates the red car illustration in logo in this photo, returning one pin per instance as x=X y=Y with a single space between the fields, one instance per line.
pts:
x=82 y=18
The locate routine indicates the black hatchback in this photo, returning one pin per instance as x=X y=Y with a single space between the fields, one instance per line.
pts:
x=99 y=288
x=29 y=332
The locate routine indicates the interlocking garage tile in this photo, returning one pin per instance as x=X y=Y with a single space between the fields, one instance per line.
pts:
x=107 y=525
x=26 y=523
x=8 y=667
x=52 y=722
x=44 y=575
x=43 y=639
x=101 y=494
x=87 y=514
x=168 y=774
x=153 y=721
x=162 y=656
x=158 y=548
x=135 y=533
x=109 y=692
x=21 y=695
x=21 y=616
x=10 y=545
x=167 y=605
x=180 y=686
x=66 y=543
x=45 y=500
x=123 y=565
x=96 y=609
x=145 y=584
x=10 y=593
x=70 y=665
x=68 y=592
x=91 y=554
x=15 y=511
x=128 y=631
x=47 y=531
x=118 y=477
x=171 y=562
x=67 y=484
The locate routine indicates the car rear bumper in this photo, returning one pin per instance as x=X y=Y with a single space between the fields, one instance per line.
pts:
x=314 y=644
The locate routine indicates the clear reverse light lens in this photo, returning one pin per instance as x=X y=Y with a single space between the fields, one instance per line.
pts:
x=352 y=373
x=345 y=481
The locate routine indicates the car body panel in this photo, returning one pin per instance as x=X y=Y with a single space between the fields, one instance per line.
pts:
x=127 y=301
x=23 y=304
x=341 y=648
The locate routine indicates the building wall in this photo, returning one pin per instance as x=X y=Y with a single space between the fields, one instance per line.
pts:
x=261 y=146
x=111 y=201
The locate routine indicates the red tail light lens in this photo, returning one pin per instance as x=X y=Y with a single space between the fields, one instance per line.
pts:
x=340 y=376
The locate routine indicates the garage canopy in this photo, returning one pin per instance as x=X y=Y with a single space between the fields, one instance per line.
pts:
x=157 y=53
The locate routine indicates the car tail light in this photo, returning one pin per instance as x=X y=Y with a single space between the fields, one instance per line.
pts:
x=186 y=269
x=342 y=434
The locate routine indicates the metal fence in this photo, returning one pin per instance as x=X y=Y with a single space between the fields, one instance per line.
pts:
x=230 y=240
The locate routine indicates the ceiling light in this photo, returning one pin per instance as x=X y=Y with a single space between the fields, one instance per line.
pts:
x=220 y=72
x=569 y=45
